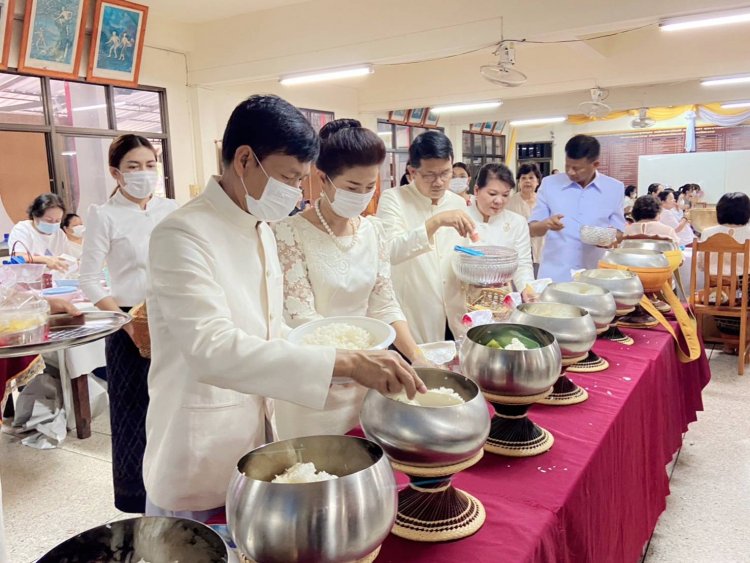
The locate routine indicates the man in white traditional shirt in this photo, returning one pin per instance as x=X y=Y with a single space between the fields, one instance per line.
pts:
x=424 y=221
x=215 y=308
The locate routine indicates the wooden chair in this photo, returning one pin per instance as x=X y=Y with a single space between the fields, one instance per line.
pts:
x=723 y=250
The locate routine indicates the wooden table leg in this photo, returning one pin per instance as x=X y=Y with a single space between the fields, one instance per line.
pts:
x=82 y=406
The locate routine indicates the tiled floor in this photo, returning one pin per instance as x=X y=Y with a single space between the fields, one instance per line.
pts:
x=53 y=494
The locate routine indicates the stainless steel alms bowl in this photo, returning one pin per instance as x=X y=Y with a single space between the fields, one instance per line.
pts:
x=635 y=258
x=599 y=302
x=150 y=538
x=572 y=326
x=511 y=372
x=626 y=286
x=654 y=245
x=429 y=436
x=340 y=520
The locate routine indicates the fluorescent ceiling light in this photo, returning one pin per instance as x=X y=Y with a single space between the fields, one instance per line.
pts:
x=68 y=153
x=84 y=108
x=726 y=81
x=706 y=20
x=385 y=133
x=467 y=107
x=735 y=105
x=539 y=121
x=320 y=76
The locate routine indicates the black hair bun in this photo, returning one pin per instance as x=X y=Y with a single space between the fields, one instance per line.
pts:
x=337 y=125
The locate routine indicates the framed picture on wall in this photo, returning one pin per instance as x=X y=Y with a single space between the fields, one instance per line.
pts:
x=431 y=119
x=117 y=42
x=416 y=116
x=397 y=116
x=52 y=38
x=488 y=126
x=6 y=30
x=475 y=127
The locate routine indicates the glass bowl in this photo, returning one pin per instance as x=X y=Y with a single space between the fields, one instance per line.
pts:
x=496 y=267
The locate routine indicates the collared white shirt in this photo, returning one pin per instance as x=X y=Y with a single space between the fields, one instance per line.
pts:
x=599 y=205
x=117 y=234
x=422 y=270
x=215 y=311
x=511 y=230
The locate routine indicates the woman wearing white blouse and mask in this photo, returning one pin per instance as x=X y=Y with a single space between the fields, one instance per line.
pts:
x=72 y=226
x=460 y=183
x=118 y=235
x=40 y=238
x=496 y=226
x=337 y=263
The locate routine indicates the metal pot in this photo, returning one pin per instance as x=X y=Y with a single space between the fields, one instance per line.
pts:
x=599 y=302
x=572 y=326
x=625 y=286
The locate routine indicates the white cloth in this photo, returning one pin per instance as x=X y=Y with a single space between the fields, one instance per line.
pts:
x=672 y=218
x=511 y=230
x=524 y=208
x=321 y=280
x=117 y=233
x=426 y=287
x=740 y=234
x=37 y=243
x=75 y=249
x=215 y=311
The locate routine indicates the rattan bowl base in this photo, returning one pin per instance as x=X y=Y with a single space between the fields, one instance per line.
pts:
x=368 y=559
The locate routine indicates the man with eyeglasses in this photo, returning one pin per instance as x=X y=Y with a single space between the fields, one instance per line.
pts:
x=424 y=221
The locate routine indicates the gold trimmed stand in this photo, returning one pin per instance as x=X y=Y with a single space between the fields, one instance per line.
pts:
x=512 y=433
x=614 y=334
x=367 y=559
x=431 y=509
x=593 y=363
x=565 y=392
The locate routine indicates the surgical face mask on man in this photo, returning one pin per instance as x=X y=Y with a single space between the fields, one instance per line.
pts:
x=141 y=183
x=276 y=202
x=47 y=228
x=349 y=204
x=459 y=185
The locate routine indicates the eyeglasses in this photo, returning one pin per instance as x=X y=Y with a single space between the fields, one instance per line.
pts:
x=433 y=177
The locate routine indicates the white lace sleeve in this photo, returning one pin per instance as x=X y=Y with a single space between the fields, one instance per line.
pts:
x=383 y=304
x=299 y=300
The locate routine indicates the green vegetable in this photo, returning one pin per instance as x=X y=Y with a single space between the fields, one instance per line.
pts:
x=494 y=344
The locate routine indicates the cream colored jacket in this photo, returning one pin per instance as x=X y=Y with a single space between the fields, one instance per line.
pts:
x=215 y=307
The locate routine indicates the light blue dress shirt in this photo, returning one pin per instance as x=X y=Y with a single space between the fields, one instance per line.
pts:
x=599 y=205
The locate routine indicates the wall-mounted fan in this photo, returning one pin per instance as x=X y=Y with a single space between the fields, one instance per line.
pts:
x=596 y=107
x=642 y=121
x=503 y=72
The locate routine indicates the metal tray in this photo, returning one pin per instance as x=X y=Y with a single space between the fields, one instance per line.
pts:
x=98 y=325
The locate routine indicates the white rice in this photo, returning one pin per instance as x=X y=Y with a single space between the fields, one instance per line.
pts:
x=516 y=344
x=438 y=397
x=303 y=473
x=340 y=335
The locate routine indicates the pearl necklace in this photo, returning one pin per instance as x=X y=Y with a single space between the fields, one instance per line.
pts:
x=336 y=240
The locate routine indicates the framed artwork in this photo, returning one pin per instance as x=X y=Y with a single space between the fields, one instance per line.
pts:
x=117 y=42
x=488 y=126
x=416 y=116
x=52 y=39
x=398 y=116
x=431 y=120
x=475 y=127
x=6 y=30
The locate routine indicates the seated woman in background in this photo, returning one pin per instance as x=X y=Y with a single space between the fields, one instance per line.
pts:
x=337 y=263
x=523 y=201
x=497 y=226
x=460 y=183
x=72 y=226
x=631 y=193
x=40 y=238
x=646 y=210
x=673 y=217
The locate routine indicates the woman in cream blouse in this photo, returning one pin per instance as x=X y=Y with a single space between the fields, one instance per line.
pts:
x=523 y=201
x=496 y=225
x=337 y=263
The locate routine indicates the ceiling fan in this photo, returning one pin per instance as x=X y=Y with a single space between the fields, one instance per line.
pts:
x=596 y=107
x=503 y=72
x=642 y=121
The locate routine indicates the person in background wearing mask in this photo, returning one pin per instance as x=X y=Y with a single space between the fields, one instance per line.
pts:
x=72 y=226
x=523 y=202
x=216 y=312
x=424 y=221
x=460 y=183
x=566 y=202
x=337 y=263
x=118 y=235
x=40 y=235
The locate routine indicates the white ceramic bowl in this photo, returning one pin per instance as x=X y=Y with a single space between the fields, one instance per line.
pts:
x=598 y=236
x=382 y=334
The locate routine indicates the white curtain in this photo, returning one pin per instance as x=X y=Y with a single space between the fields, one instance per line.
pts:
x=690 y=131
x=722 y=120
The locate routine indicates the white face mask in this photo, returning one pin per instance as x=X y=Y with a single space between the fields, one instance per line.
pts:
x=78 y=230
x=47 y=228
x=140 y=184
x=349 y=204
x=277 y=201
x=459 y=185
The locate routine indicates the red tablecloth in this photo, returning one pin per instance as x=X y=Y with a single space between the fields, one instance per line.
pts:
x=597 y=494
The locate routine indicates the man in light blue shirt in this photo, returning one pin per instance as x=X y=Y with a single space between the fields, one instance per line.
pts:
x=566 y=202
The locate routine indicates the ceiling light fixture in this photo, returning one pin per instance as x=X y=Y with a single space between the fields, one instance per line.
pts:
x=68 y=153
x=538 y=121
x=85 y=108
x=705 y=20
x=324 y=75
x=736 y=105
x=472 y=106
x=726 y=81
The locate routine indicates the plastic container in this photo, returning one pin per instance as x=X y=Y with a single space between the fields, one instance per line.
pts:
x=23 y=320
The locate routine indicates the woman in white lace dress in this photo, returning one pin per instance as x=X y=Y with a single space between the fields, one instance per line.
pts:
x=336 y=263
